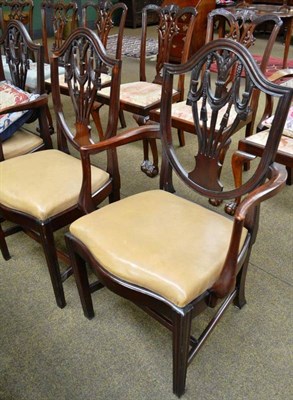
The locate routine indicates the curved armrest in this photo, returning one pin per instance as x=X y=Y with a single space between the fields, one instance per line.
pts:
x=227 y=281
x=129 y=136
x=27 y=105
x=269 y=189
x=132 y=135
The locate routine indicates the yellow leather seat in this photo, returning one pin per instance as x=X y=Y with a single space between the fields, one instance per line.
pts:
x=157 y=228
x=45 y=183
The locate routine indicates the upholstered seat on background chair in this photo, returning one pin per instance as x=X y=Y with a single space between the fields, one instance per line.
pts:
x=41 y=191
x=140 y=97
x=169 y=255
x=255 y=144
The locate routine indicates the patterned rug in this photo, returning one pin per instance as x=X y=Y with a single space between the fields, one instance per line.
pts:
x=274 y=64
x=131 y=46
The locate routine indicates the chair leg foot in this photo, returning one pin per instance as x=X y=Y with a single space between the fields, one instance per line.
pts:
x=3 y=245
x=122 y=119
x=181 y=338
x=181 y=138
x=149 y=168
x=48 y=243
x=81 y=277
x=240 y=299
x=289 y=180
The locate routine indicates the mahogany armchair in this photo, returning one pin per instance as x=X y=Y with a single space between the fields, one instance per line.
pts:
x=169 y=255
x=140 y=97
x=43 y=192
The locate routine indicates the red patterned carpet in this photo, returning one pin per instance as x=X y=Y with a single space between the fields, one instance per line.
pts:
x=275 y=64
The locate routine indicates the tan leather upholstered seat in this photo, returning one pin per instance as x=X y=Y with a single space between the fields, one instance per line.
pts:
x=36 y=183
x=158 y=228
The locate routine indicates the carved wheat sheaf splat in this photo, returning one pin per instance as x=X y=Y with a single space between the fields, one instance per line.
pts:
x=17 y=10
x=208 y=96
x=83 y=70
x=17 y=57
x=59 y=22
x=167 y=29
x=104 y=21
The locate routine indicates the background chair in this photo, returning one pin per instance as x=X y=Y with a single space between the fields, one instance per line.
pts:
x=42 y=191
x=171 y=256
x=239 y=27
x=62 y=17
x=140 y=97
x=203 y=8
x=105 y=13
x=21 y=10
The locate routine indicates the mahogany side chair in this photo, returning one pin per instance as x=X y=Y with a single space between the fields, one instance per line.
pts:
x=21 y=10
x=42 y=191
x=63 y=17
x=239 y=27
x=105 y=13
x=178 y=257
x=140 y=97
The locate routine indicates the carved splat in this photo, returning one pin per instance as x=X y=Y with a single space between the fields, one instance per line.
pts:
x=168 y=28
x=63 y=19
x=17 y=57
x=103 y=18
x=215 y=128
x=17 y=8
x=83 y=71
